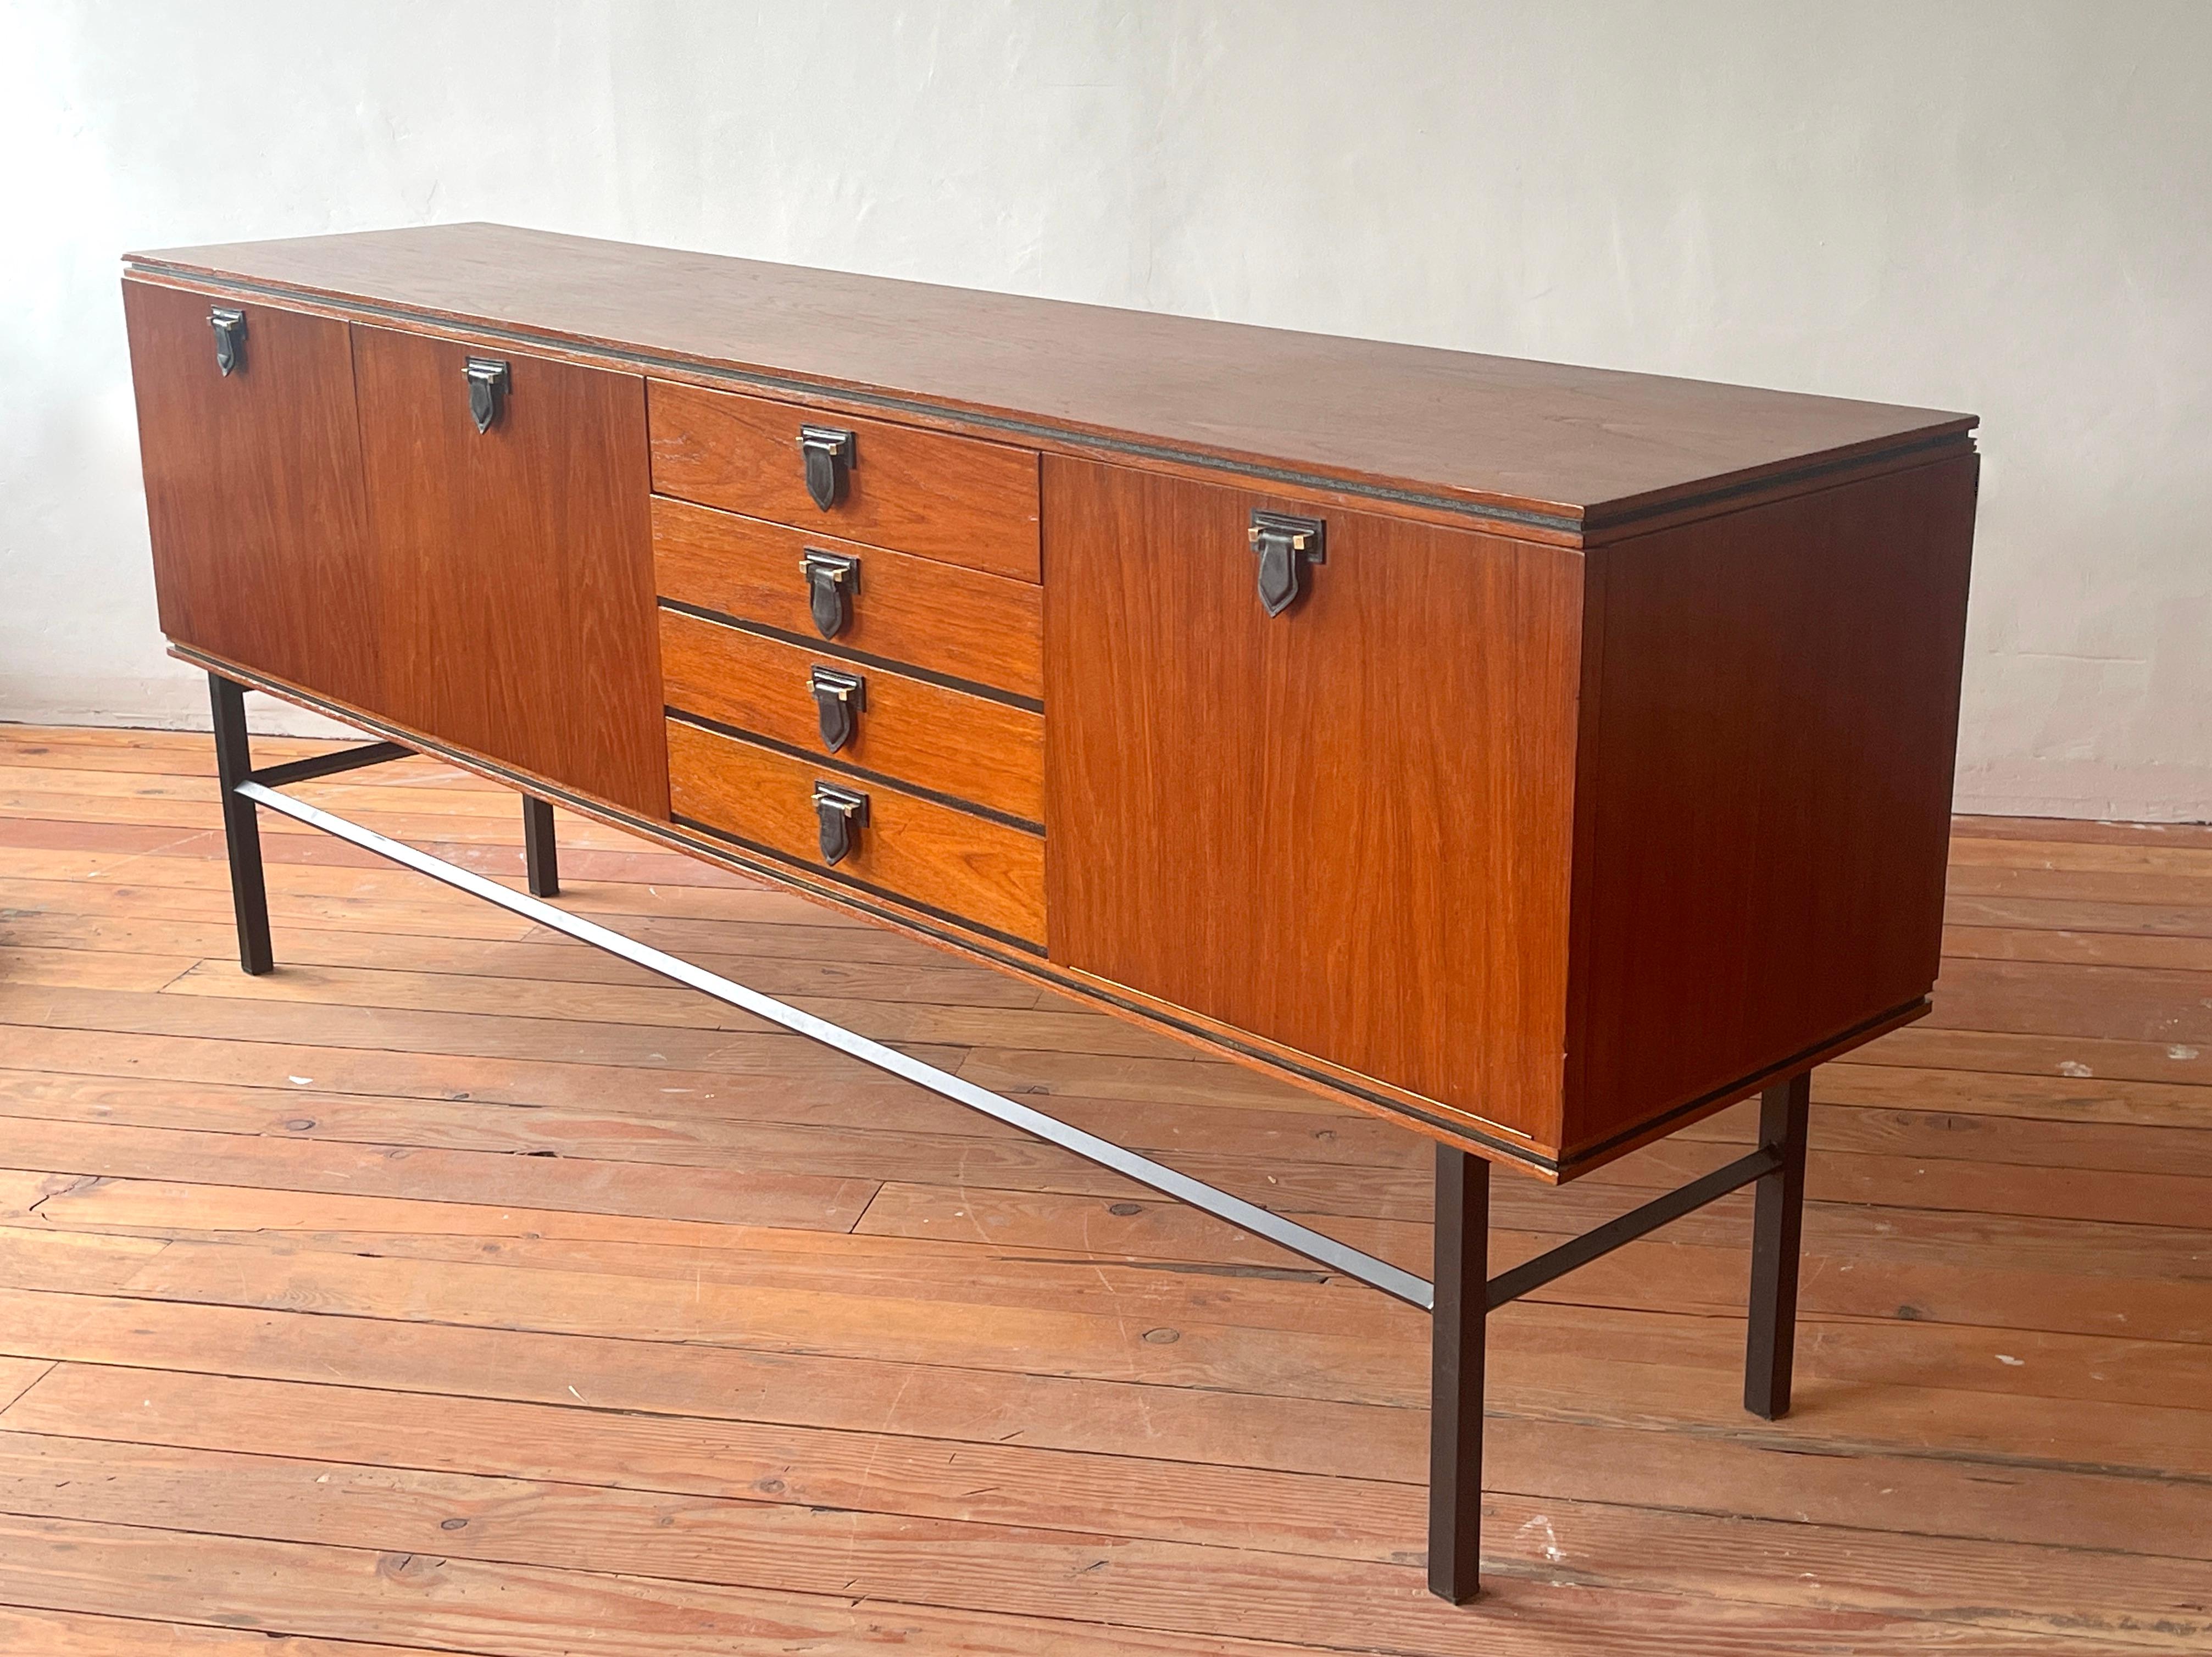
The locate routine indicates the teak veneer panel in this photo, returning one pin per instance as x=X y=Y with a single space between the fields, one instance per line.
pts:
x=948 y=498
x=515 y=565
x=1345 y=829
x=984 y=629
x=909 y=730
x=253 y=491
x=1770 y=733
x=1573 y=448
x=949 y=861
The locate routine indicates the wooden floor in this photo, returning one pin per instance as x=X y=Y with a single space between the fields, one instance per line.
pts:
x=457 y=1288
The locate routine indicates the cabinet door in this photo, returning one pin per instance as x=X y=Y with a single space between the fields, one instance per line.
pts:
x=515 y=563
x=253 y=490
x=1346 y=827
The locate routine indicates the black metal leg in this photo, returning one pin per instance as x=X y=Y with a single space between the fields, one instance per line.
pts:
x=540 y=861
x=241 y=828
x=1776 y=1228
x=1456 y=1336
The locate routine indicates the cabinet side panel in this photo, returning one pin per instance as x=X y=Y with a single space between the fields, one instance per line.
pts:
x=253 y=491
x=515 y=564
x=1345 y=828
x=1770 y=787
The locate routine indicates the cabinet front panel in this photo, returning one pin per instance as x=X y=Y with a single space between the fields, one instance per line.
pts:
x=253 y=490
x=1344 y=827
x=515 y=563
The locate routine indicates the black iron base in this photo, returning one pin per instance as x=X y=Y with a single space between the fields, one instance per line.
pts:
x=1466 y=1294
x=1459 y=1301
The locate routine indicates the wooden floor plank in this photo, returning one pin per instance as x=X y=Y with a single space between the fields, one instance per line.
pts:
x=459 y=1289
x=1055 y=1490
x=823 y=1202
x=73 y=1633
x=691 y=1541
x=439 y=1602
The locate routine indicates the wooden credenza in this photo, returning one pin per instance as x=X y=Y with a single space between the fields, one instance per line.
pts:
x=1598 y=770
x=1543 y=757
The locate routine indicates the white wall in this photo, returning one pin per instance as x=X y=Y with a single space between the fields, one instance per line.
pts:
x=2001 y=208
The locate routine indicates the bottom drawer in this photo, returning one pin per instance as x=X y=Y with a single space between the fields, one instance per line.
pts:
x=967 y=867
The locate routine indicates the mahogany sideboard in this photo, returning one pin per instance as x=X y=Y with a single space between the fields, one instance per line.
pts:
x=1541 y=757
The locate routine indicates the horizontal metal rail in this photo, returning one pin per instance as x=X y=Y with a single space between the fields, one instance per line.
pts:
x=1286 y=1234
x=1581 y=1251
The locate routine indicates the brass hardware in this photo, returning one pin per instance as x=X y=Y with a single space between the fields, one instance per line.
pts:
x=839 y=699
x=840 y=815
x=1286 y=545
x=832 y=581
x=829 y=453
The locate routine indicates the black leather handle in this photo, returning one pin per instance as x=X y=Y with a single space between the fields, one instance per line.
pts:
x=1286 y=545
x=230 y=325
x=832 y=581
x=829 y=453
x=840 y=815
x=839 y=699
x=489 y=381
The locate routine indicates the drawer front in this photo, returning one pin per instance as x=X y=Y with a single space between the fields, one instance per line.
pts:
x=946 y=741
x=984 y=629
x=952 y=499
x=967 y=867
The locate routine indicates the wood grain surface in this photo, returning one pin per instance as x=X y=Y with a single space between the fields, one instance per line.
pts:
x=514 y=565
x=456 y=1289
x=1577 y=448
x=944 y=740
x=952 y=499
x=253 y=492
x=1345 y=829
x=1769 y=727
x=987 y=630
x=954 y=862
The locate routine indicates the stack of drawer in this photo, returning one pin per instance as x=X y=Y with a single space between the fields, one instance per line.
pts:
x=851 y=646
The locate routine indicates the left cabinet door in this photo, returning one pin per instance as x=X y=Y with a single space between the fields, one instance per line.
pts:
x=254 y=494
x=515 y=561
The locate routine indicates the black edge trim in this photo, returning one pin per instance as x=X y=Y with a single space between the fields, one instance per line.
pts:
x=830 y=762
x=823 y=647
x=807 y=388
x=1602 y=525
x=1784 y=1069
x=1581 y=524
x=886 y=892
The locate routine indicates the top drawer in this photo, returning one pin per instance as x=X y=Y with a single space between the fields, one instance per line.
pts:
x=952 y=499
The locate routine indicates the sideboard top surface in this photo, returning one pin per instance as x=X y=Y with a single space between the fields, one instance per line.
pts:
x=1558 y=448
